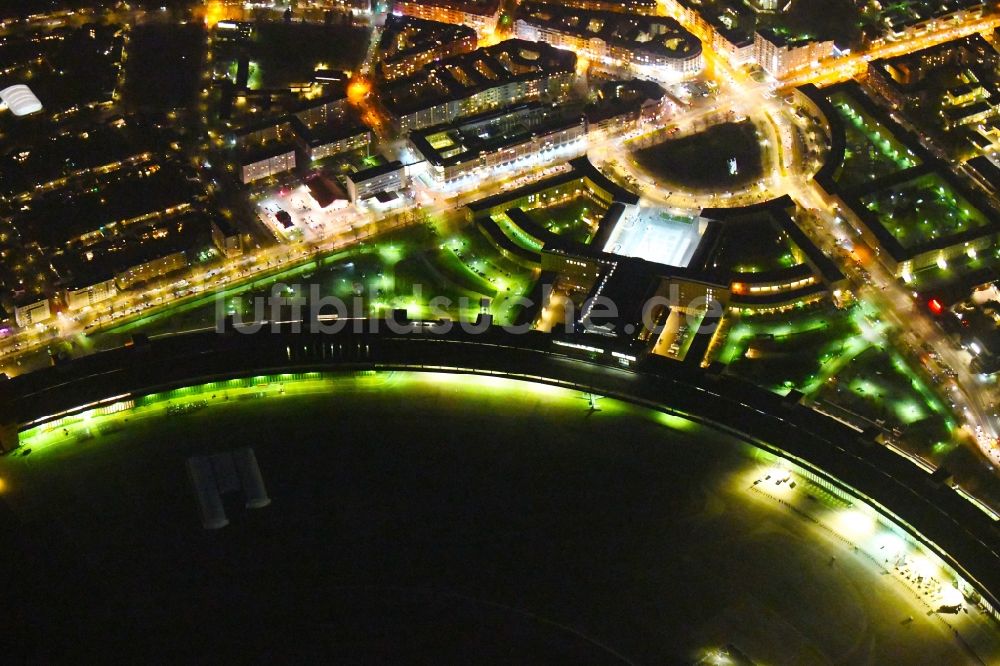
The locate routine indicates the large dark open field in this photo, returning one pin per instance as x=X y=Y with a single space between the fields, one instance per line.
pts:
x=702 y=160
x=430 y=519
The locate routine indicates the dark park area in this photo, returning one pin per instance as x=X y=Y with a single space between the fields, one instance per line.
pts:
x=164 y=63
x=726 y=155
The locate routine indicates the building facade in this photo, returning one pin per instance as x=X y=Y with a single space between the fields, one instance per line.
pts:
x=267 y=163
x=33 y=312
x=81 y=297
x=531 y=133
x=389 y=177
x=480 y=15
x=779 y=57
x=645 y=44
x=511 y=72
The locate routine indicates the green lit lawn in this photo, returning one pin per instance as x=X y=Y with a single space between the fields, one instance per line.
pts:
x=923 y=210
x=402 y=269
x=794 y=350
x=754 y=245
x=872 y=151
x=575 y=219
x=428 y=275
x=473 y=260
x=839 y=357
x=881 y=387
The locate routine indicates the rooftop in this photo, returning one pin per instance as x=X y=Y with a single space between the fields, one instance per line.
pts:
x=106 y=259
x=467 y=74
x=403 y=36
x=659 y=35
x=375 y=171
x=468 y=138
x=20 y=100
x=616 y=98
x=256 y=154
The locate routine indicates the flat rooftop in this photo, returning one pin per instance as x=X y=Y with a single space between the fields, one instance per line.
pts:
x=468 y=138
x=657 y=235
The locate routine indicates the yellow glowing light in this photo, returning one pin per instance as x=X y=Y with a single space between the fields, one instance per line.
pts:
x=677 y=422
x=775 y=472
x=951 y=596
x=890 y=545
x=215 y=11
x=853 y=523
x=358 y=89
x=923 y=566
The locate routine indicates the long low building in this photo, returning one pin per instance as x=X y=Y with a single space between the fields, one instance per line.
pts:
x=487 y=143
x=376 y=180
x=318 y=142
x=582 y=175
x=491 y=77
x=911 y=20
x=655 y=46
x=96 y=273
x=633 y=7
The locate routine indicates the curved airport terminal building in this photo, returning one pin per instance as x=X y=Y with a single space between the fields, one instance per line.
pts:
x=396 y=489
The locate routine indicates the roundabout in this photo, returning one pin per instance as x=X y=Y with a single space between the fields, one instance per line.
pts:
x=762 y=148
